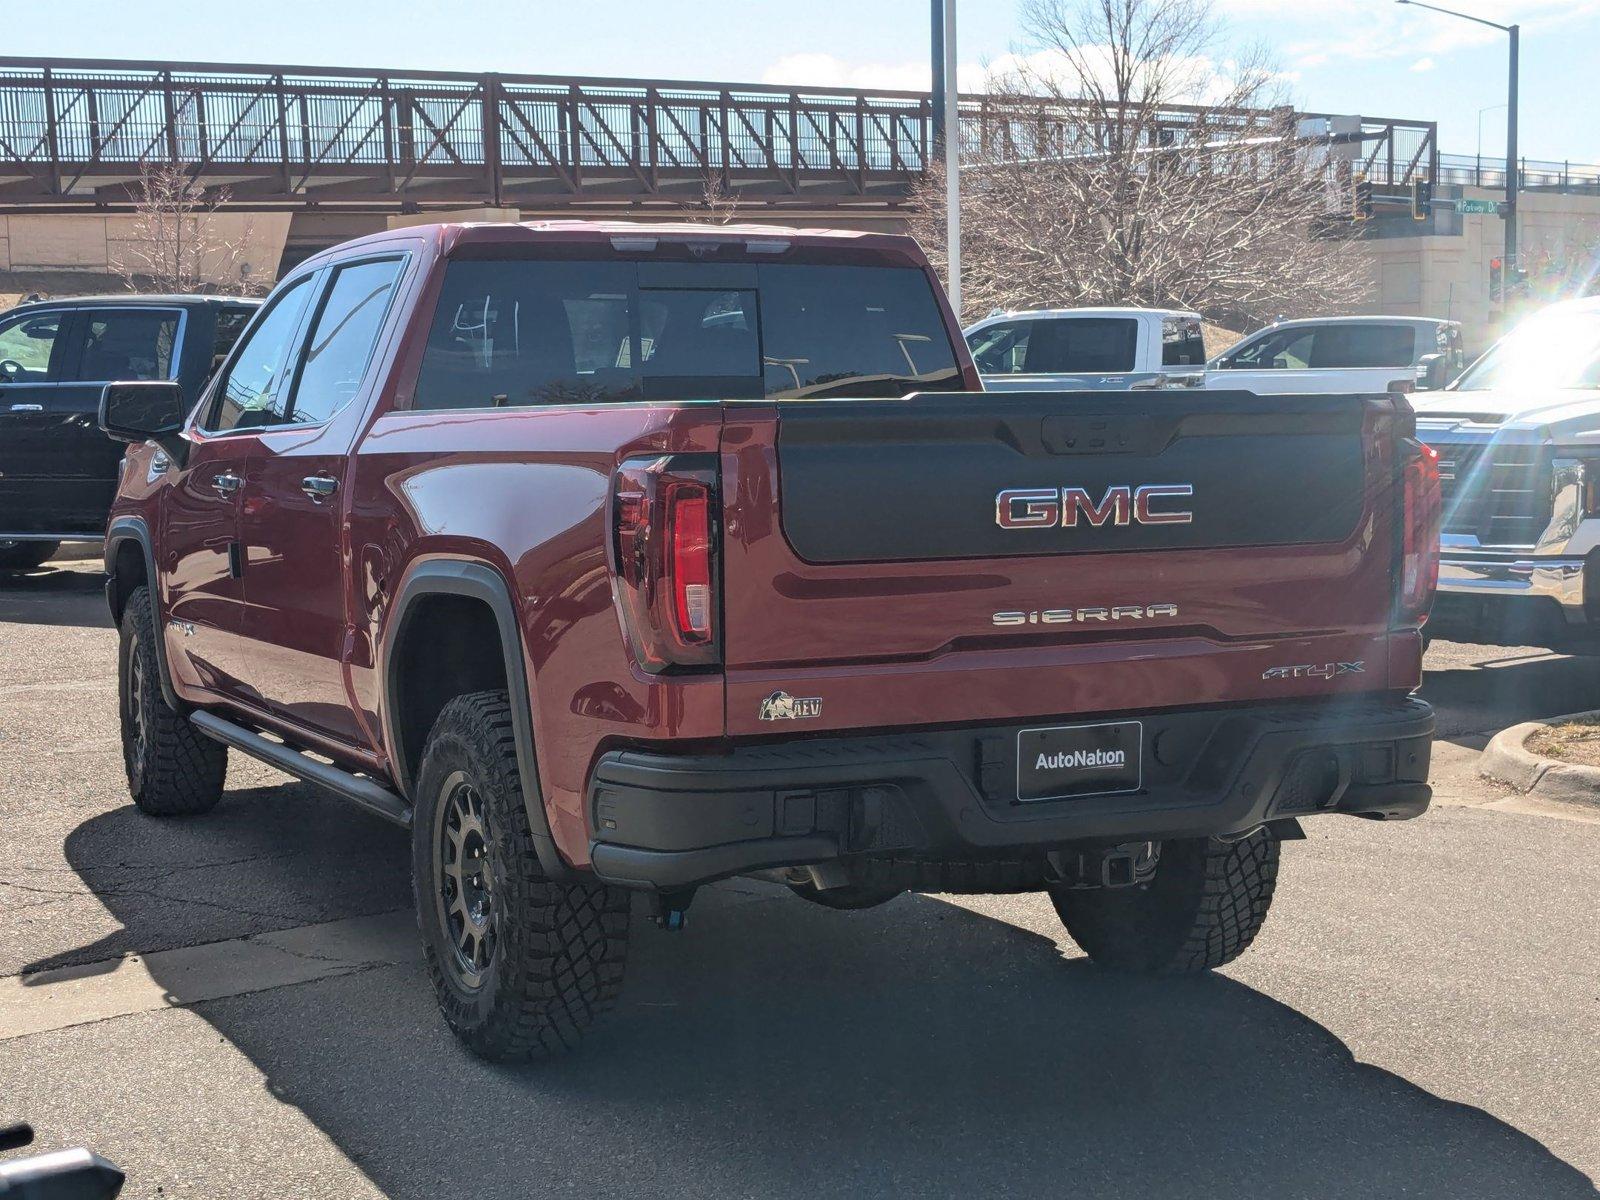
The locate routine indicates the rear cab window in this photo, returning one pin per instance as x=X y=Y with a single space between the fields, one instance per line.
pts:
x=516 y=331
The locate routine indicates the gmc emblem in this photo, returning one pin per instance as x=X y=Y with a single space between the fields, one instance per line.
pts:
x=1045 y=508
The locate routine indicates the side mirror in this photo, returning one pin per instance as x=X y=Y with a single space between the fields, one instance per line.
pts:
x=1433 y=371
x=147 y=410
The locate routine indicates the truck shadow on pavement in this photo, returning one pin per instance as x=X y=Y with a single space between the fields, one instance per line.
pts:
x=71 y=596
x=779 y=1049
x=1487 y=696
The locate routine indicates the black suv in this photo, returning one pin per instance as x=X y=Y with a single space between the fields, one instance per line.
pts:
x=58 y=472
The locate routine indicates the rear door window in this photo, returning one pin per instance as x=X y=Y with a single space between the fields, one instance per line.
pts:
x=30 y=345
x=1350 y=346
x=520 y=332
x=1183 y=343
x=231 y=320
x=1082 y=344
x=127 y=344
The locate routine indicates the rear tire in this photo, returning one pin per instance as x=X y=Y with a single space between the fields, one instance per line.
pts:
x=521 y=965
x=173 y=769
x=26 y=556
x=1203 y=908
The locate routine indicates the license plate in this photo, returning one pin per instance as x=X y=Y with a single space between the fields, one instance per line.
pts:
x=1066 y=761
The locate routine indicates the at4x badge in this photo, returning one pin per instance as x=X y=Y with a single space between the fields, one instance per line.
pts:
x=1315 y=670
x=780 y=706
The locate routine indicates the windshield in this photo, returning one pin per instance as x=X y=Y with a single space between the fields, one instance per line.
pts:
x=1558 y=351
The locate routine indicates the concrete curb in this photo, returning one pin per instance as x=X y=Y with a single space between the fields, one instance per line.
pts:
x=1507 y=760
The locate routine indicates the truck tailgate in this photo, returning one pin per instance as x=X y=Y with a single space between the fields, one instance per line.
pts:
x=866 y=567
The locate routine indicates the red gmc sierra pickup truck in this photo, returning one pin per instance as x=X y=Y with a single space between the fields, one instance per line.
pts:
x=619 y=558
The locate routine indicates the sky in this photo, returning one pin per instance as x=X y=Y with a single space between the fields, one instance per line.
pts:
x=1371 y=57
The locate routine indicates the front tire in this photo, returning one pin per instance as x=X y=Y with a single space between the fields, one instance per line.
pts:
x=173 y=769
x=26 y=556
x=1203 y=908
x=521 y=965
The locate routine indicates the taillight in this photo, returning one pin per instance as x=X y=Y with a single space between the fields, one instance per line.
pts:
x=663 y=512
x=1419 y=519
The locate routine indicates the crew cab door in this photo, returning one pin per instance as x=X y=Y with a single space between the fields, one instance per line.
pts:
x=106 y=344
x=291 y=520
x=33 y=350
x=200 y=557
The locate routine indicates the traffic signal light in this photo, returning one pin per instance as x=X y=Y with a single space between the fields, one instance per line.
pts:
x=1497 y=287
x=1361 y=198
x=1421 y=197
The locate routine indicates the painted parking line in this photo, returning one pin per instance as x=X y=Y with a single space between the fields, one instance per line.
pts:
x=77 y=995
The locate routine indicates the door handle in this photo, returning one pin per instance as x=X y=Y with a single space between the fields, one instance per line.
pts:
x=319 y=487
x=226 y=484
x=27 y=408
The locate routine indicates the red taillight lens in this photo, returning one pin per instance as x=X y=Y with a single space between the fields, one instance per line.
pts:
x=1420 y=515
x=689 y=565
x=666 y=576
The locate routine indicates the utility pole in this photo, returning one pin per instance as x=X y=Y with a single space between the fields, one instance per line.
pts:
x=945 y=111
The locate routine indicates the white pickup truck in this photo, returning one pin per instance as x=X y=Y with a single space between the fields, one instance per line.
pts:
x=1341 y=354
x=1088 y=349
x=1518 y=439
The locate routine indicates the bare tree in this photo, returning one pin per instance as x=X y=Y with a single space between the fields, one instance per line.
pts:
x=1123 y=160
x=718 y=204
x=177 y=244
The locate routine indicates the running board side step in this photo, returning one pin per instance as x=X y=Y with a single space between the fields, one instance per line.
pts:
x=368 y=795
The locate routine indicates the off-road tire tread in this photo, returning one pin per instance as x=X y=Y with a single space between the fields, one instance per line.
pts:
x=185 y=770
x=562 y=946
x=1206 y=905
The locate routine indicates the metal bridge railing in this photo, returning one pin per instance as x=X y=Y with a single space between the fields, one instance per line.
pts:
x=75 y=132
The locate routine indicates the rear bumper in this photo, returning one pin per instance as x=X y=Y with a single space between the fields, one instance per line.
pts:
x=948 y=797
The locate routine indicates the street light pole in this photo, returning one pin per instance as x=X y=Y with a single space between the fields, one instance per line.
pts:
x=1512 y=164
x=945 y=111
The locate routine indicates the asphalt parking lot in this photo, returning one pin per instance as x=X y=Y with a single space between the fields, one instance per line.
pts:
x=233 y=1006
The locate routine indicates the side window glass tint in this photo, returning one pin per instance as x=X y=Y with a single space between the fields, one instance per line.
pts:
x=1182 y=343
x=128 y=344
x=694 y=337
x=1083 y=344
x=1001 y=349
x=1364 y=346
x=518 y=332
x=230 y=324
x=1286 y=350
x=343 y=338
x=26 y=344
x=251 y=394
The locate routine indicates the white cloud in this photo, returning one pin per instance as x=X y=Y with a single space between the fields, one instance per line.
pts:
x=829 y=70
x=1422 y=64
x=1198 y=79
x=1394 y=32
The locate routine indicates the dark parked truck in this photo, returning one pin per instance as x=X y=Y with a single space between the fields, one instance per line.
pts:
x=58 y=471
x=619 y=559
